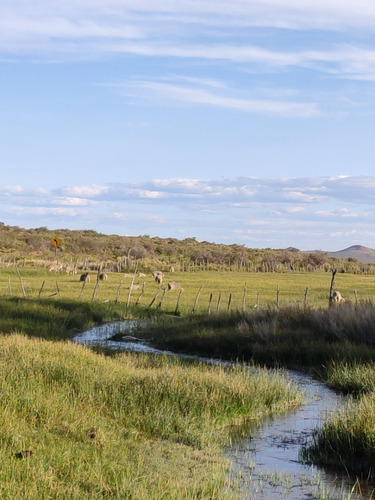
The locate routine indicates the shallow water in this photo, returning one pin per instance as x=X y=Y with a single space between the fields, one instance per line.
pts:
x=268 y=465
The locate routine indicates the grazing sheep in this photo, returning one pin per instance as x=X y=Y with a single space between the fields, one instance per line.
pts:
x=158 y=275
x=142 y=275
x=337 y=298
x=85 y=277
x=103 y=276
x=171 y=269
x=174 y=285
x=70 y=270
x=55 y=267
x=135 y=286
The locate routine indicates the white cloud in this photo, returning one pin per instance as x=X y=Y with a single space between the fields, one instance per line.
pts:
x=278 y=212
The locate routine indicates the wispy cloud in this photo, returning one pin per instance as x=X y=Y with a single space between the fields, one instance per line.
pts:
x=202 y=96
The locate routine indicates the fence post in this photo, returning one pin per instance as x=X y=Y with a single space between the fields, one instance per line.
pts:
x=41 y=290
x=21 y=280
x=244 y=298
x=178 y=302
x=130 y=293
x=305 y=299
x=161 y=299
x=218 y=302
x=196 y=299
x=229 y=302
x=81 y=292
x=118 y=291
x=156 y=296
x=209 y=304
x=141 y=294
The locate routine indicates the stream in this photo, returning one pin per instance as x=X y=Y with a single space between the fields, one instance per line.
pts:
x=268 y=465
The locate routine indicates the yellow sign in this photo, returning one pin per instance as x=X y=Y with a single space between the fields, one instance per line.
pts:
x=56 y=242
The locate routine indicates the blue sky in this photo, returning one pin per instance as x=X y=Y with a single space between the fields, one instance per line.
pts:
x=244 y=122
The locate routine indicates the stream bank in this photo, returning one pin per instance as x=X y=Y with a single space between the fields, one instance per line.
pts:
x=268 y=465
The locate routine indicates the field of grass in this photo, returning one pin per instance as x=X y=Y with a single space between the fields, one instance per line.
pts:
x=336 y=343
x=202 y=290
x=76 y=424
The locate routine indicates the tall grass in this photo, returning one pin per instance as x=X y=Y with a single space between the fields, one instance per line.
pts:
x=346 y=441
x=75 y=424
x=293 y=336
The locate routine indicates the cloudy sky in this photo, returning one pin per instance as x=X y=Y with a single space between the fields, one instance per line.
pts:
x=237 y=121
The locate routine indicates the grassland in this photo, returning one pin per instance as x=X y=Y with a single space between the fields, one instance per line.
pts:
x=223 y=291
x=78 y=424
x=75 y=424
x=288 y=326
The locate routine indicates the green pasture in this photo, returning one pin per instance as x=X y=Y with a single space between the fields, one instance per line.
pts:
x=202 y=291
x=76 y=424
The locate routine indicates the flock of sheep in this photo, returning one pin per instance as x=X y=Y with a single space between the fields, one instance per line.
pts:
x=158 y=276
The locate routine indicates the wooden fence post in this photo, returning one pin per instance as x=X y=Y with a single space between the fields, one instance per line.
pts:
x=21 y=280
x=229 y=302
x=130 y=292
x=305 y=298
x=178 y=302
x=156 y=296
x=196 y=299
x=141 y=294
x=209 y=304
x=277 y=296
x=218 y=302
x=81 y=292
x=9 y=286
x=161 y=299
x=330 y=303
x=118 y=291
x=244 y=298
x=41 y=290
x=96 y=288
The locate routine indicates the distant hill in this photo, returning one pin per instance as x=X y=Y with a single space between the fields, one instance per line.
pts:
x=359 y=252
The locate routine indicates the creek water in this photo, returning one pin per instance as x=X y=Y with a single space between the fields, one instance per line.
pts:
x=267 y=465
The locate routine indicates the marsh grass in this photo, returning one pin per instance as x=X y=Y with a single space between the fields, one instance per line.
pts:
x=292 y=336
x=346 y=441
x=75 y=424
x=54 y=319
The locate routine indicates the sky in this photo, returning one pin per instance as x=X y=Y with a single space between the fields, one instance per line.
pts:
x=248 y=122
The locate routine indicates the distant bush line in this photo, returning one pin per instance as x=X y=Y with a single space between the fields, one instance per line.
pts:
x=122 y=253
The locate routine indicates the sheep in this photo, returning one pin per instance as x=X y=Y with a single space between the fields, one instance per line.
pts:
x=85 y=277
x=55 y=267
x=135 y=286
x=174 y=285
x=337 y=297
x=102 y=276
x=158 y=275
